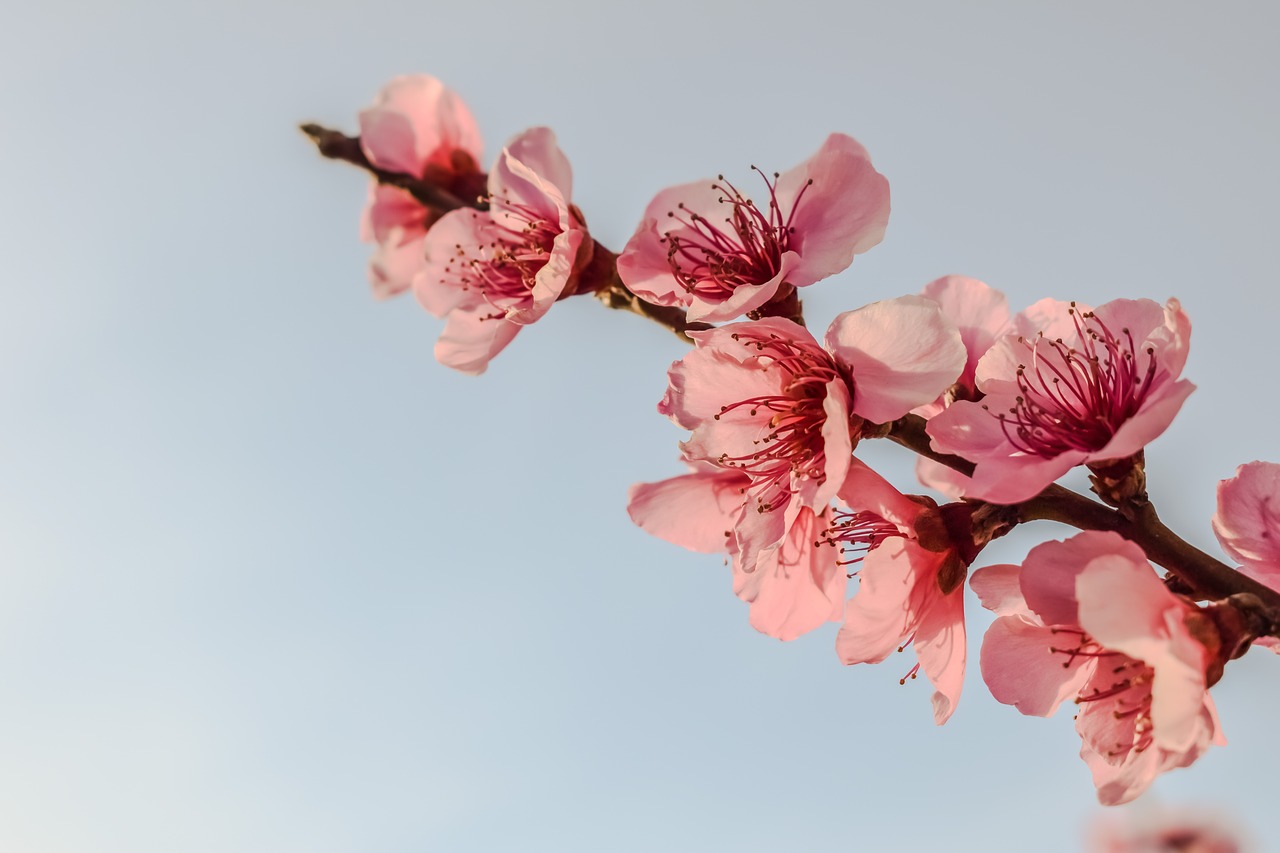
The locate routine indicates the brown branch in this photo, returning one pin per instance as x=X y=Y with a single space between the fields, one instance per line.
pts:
x=1208 y=578
x=336 y=145
x=599 y=277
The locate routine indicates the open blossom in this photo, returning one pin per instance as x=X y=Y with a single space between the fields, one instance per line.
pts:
x=764 y=399
x=1248 y=520
x=491 y=272
x=792 y=588
x=1248 y=525
x=1088 y=618
x=708 y=247
x=911 y=584
x=416 y=127
x=1086 y=387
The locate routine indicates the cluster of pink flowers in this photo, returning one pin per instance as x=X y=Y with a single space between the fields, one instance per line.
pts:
x=1009 y=403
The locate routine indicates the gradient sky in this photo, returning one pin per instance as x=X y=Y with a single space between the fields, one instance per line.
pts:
x=273 y=580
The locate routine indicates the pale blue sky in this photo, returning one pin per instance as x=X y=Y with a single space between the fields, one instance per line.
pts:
x=273 y=580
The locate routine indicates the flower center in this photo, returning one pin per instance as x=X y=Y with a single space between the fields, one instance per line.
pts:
x=712 y=259
x=790 y=448
x=1074 y=398
x=1120 y=682
x=505 y=269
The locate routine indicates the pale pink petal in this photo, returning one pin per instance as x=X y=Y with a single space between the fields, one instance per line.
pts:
x=797 y=586
x=758 y=532
x=705 y=380
x=1157 y=412
x=1050 y=570
x=1125 y=607
x=940 y=647
x=645 y=270
x=1018 y=478
x=836 y=442
x=1121 y=783
x=1019 y=669
x=941 y=478
x=1248 y=519
x=390 y=208
x=444 y=250
x=695 y=511
x=1166 y=327
x=1173 y=356
x=415 y=120
x=533 y=172
x=842 y=213
x=395 y=265
x=472 y=337
x=891 y=590
x=978 y=311
x=970 y=429
x=1052 y=317
x=713 y=374
x=865 y=490
x=903 y=353
x=999 y=588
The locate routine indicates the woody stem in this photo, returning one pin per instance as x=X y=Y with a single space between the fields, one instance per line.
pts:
x=1208 y=578
x=600 y=278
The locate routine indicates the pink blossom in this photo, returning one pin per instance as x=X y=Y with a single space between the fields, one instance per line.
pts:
x=1248 y=525
x=1248 y=520
x=491 y=272
x=1130 y=652
x=765 y=399
x=1168 y=830
x=792 y=588
x=910 y=586
x=416 y=127
x=1086 y=386
x=709 y=248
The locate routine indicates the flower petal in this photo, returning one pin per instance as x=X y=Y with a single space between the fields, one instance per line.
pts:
x=1248 y=519
x=903 y=353
x=695 y=511
x=842 y=208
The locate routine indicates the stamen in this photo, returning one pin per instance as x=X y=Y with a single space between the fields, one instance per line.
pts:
x=505 y=270
x=1074 y=398
x=856 y=534
x=790 y=447
x=711 y=259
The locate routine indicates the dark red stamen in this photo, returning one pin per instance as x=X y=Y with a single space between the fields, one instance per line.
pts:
x=712 y=260
x=1075 y=399
x=856 y=534
x=505 y=270
x=792 y=446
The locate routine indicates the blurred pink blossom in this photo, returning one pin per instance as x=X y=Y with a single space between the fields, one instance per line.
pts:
x=416 y=127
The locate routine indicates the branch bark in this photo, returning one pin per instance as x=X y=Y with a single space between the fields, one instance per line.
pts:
x=1208 y=578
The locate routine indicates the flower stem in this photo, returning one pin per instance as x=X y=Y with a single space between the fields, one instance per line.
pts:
x=1209 y=579
x=600 y=278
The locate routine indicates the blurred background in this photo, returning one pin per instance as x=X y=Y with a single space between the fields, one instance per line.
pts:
x=271 y=579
